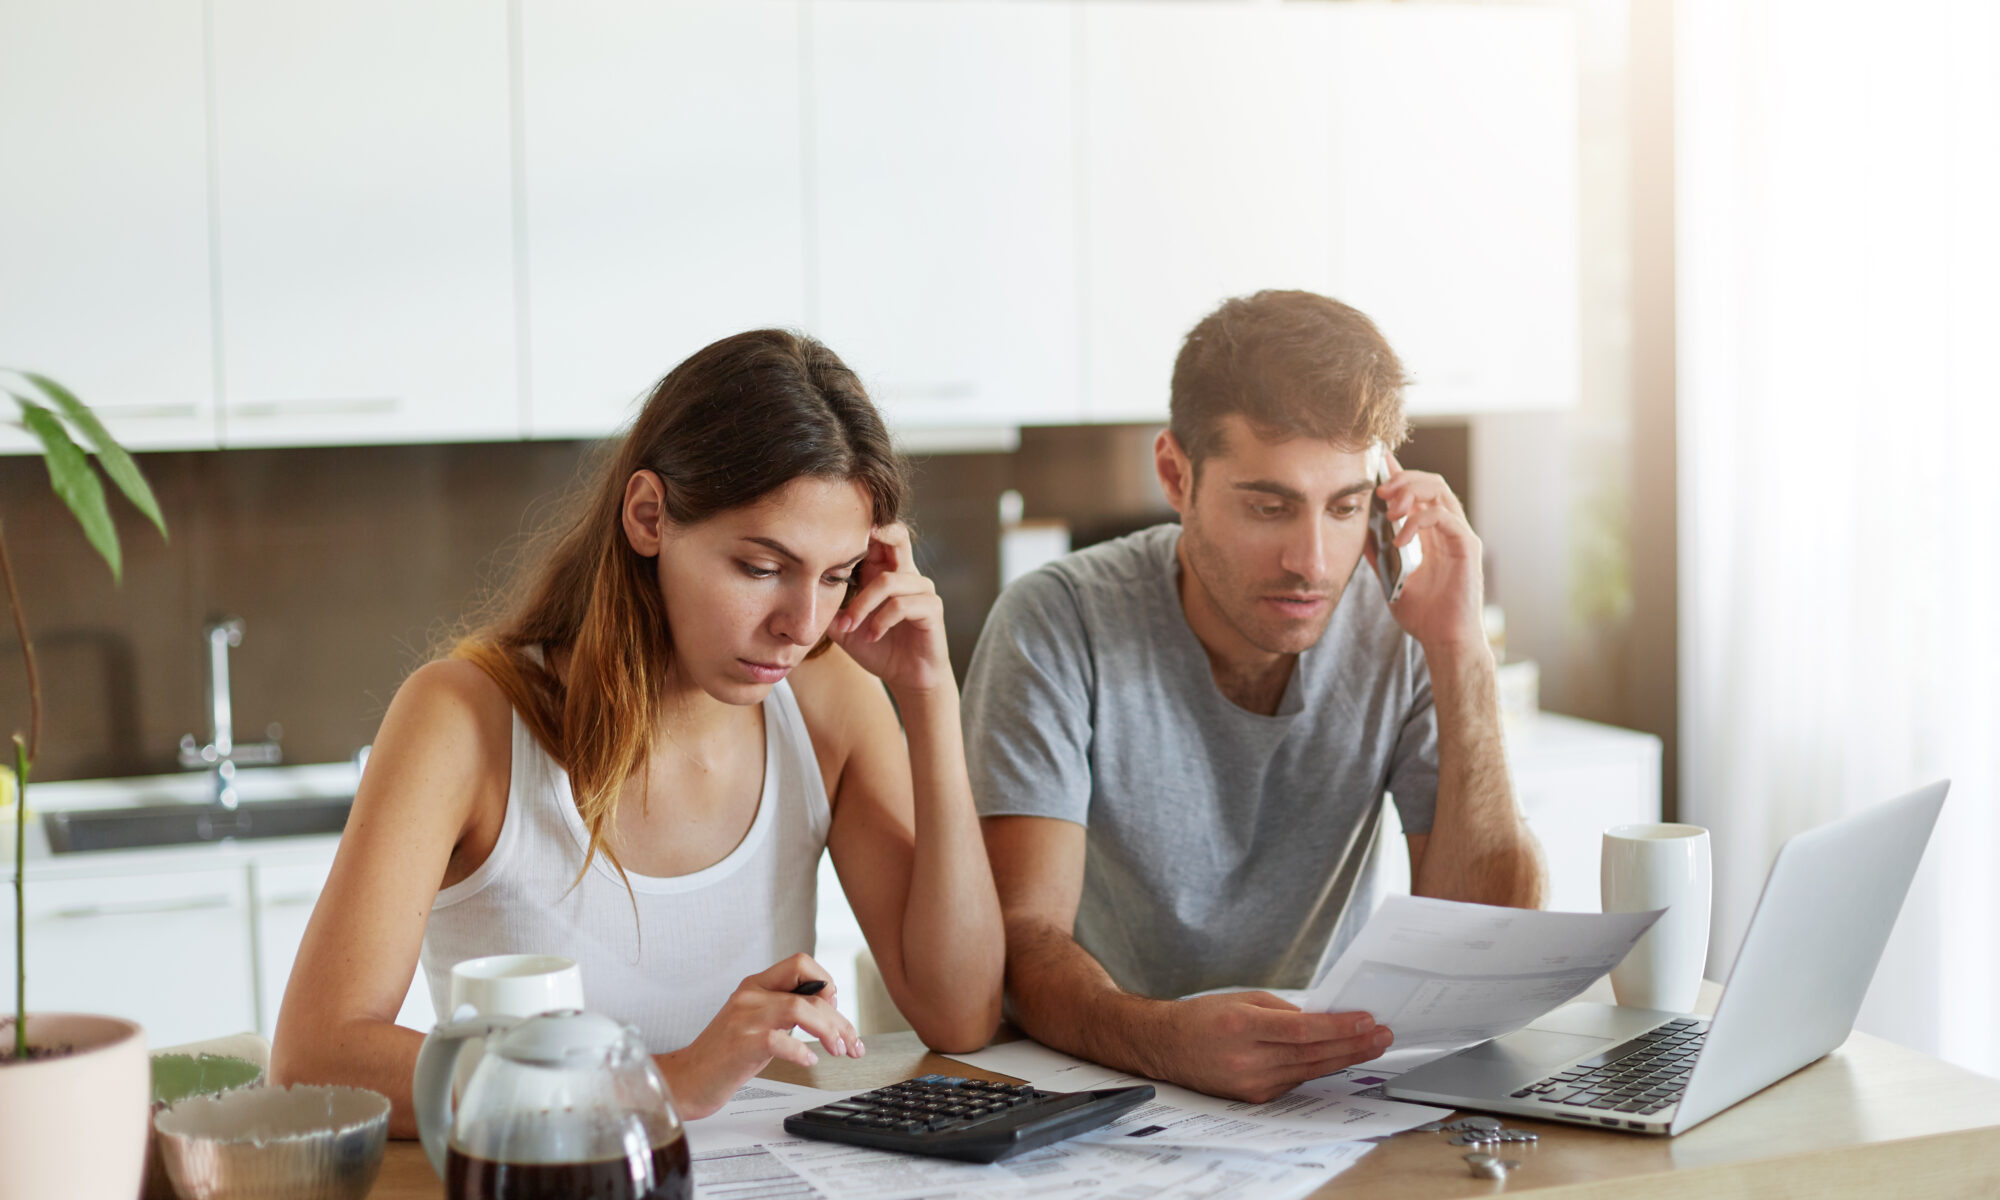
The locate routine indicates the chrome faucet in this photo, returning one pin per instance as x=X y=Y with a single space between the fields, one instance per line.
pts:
x=223 y=753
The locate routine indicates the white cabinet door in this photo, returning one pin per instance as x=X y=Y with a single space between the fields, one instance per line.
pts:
x=1206 y=175
x=1573 y=780
x=170 y=950
x=665 y=205
x=1455 y=151
x=286 y=892
x=104 y=279
x=366 y=239
x=945 y=206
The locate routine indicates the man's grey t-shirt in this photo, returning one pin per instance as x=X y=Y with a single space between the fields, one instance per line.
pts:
x=1223 y=846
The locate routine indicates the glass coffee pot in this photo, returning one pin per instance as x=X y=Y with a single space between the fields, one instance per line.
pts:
x=564 y=1104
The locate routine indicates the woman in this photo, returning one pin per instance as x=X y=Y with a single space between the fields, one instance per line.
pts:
x=638 y=763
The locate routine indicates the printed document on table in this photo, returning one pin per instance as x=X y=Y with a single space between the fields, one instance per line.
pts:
x=744 y=1153
x=1072 y=1170
x=1081 y=1170
x=1442 y=973
x=755 y=1115
x=1335 y=1108
x=1320 y=1111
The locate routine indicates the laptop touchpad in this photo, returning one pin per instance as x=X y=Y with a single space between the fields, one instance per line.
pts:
x=1535 y=1048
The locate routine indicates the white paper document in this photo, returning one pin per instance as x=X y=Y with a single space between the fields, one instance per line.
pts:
x=1441 y=973
x=840 y=1171
x=1074 y=1170
x=1083 y=1170
x=1315 y=1113
x=744 y=1153
x=755 y=1115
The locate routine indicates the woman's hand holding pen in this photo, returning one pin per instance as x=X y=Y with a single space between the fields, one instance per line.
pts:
x=754 y=1027
x=893 y=625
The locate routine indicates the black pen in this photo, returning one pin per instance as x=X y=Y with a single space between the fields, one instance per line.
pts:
x=811 y=987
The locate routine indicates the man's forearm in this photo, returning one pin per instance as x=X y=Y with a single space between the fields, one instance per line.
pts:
x=1480 y=848
x=1063 y=998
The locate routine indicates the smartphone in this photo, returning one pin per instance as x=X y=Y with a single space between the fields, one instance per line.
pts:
x=1393 y=563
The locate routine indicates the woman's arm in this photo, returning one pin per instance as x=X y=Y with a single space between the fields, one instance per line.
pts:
x=905 y=839
x=442 y=751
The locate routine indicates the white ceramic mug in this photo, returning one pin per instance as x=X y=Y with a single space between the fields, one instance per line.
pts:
x=515 y=985
x=1660 y=866
x=508 y=985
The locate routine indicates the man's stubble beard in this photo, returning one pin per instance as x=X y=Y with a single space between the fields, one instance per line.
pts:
x=1237 y=608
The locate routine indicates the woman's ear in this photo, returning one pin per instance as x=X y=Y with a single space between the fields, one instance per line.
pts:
x=645 y=513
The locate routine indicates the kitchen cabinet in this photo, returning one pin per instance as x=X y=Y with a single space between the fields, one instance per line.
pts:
x=944 y=192
x=1454 y=220
x=104 y=234
x=1207 y=174
x=169 y=949
x=664 y=189
x=192 y=942
x=364 y=222
x=266 y=222
x=1573 y=780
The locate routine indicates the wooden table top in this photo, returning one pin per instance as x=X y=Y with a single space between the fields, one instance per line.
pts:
x=1870 y=1119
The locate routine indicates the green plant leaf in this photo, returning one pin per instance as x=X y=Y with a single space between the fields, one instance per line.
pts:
x=71 y=477
x=110 y=455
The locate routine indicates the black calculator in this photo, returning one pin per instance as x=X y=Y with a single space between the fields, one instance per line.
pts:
x=972 y=1119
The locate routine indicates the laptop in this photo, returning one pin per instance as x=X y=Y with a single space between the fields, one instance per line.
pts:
x=1828 y=905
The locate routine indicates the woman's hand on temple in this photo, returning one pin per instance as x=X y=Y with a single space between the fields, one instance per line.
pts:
x=754 y=1027
x=893 y=625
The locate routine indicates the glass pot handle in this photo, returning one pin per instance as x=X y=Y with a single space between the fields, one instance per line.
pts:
x=436 y=1063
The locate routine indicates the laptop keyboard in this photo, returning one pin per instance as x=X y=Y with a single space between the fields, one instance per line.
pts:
x=1641 y=1076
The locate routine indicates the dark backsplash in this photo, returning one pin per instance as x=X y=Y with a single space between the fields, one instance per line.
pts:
x=350 y=565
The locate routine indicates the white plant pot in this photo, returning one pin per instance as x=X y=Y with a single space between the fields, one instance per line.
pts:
x=75 y=1126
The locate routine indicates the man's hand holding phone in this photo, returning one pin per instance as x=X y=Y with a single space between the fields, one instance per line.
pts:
x=1422 y=524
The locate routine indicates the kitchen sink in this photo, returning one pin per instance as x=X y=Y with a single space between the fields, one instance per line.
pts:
x=177 y=824
x=179 y=809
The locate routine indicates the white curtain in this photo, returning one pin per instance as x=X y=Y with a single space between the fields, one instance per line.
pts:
x=1839 y=372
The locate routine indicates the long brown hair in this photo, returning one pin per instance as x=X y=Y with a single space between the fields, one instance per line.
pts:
x=738 y=420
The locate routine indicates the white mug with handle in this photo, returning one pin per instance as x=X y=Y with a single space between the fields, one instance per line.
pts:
x=1660 y=866
x=508 y=985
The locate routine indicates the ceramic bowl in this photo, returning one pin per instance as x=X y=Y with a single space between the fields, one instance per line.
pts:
x=175 y=1078
x=293 y=1143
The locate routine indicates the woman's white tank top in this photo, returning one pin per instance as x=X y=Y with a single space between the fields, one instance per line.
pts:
x=696 y=935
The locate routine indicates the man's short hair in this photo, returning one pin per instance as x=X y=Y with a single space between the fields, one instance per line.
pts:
x=1294 y=364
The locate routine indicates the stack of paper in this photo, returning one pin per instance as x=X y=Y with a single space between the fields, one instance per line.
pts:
x=744 y=1153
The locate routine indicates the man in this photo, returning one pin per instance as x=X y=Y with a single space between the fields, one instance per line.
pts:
x=1179 y=741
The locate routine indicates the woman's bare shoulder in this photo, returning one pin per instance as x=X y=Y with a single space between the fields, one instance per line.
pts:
x=454 y=699
x=449 y=722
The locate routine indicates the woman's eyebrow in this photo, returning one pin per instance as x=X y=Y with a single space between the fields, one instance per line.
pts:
x=775 y=544
x=778 y=546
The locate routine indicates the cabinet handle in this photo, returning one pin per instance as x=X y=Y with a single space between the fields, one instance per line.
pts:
x=302 y=900
x=192 y=904
x=329 y=405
